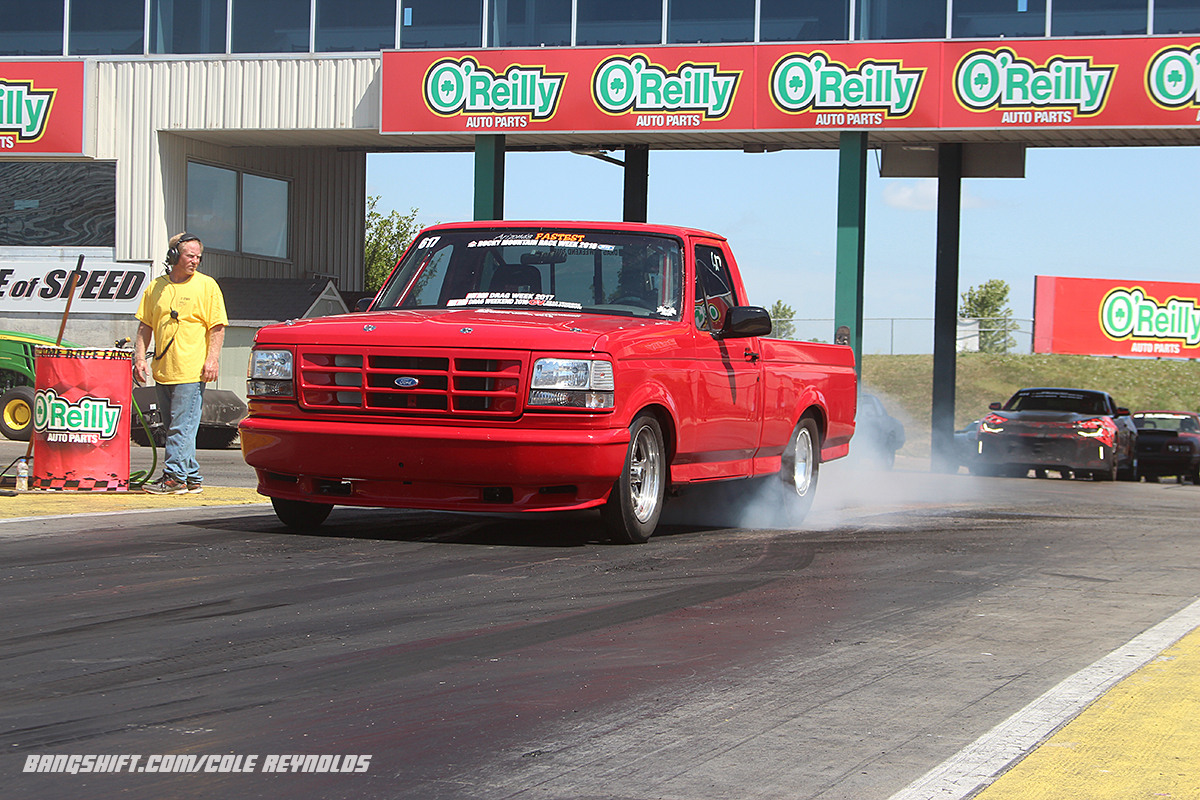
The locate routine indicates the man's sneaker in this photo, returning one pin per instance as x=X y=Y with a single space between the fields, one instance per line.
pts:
x=165 y=485
x=195 y=487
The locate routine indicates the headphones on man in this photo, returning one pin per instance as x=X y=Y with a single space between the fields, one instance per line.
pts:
x=173 y=253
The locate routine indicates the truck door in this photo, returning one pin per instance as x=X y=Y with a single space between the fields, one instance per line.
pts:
x=728 y=386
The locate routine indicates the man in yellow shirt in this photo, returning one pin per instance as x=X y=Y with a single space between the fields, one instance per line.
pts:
x=184 y=313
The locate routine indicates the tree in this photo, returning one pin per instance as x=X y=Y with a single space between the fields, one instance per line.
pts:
x=385 y=241
x=988 y=303
x=782 y=315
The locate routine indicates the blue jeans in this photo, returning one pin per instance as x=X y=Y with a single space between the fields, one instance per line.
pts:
x=179 y=406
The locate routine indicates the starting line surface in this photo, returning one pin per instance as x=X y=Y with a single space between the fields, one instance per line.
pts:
x=1098 y=734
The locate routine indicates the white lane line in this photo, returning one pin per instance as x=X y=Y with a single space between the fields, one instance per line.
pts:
x=981 y=762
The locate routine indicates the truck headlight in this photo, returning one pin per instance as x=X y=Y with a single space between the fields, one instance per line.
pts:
x=572 y=383
x=270 y=374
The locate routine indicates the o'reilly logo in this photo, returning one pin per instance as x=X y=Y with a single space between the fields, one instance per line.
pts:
x=1173 y=77
x=456 y=86
x=622 y=84
x=801 y=82
x=999 y=79
x=89 y=420
x=24 y=110
x=1130 y=313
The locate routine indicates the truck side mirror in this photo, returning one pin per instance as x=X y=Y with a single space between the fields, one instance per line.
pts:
x=363 y=303
x=743 y=321
x=995 y=406
x=1122 y=411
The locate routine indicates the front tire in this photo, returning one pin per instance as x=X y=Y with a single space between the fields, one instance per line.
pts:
x=636 y=501
x=16 y=413
x=800 y=469
x=299 y=514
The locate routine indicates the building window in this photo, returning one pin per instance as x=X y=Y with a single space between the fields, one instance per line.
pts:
x=909 y=19
x=710 y=21
x=238 y=212
x=1177 y=16
x=265 y=216
x=1098 y=17
x=362 y=26
x=31 y=29
x=990 y=19
x=106 y=27
x=815 y=21
x=530 y=23
x=270 y=26
x=58 y=204
x=187 y=26
x=442 y=23
x=618 y=22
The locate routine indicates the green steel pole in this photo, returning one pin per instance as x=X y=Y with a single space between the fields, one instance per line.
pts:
x=489 y=176
x=851 y=240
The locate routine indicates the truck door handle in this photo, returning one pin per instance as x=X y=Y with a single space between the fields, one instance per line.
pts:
x=751 y=355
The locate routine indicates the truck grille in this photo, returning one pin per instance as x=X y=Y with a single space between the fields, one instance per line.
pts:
x=412 y=381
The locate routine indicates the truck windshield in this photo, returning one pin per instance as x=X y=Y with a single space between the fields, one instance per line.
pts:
x=551 y=269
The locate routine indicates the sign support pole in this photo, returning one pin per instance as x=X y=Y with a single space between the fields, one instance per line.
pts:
x=945 y=306
x=489 y=176
x=637 y=182
x=851 y=240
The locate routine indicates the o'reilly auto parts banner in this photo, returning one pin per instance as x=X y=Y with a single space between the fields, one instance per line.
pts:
x=1099 y=317
x=1138 y=82
x=41 y=108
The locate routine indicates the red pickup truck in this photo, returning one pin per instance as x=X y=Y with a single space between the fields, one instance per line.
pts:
x=544 y=366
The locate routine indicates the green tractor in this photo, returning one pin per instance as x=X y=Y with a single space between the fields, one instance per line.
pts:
x=16 y=382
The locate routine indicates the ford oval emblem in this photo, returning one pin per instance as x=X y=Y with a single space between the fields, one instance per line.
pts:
x=407 y=382
x=465 y=330
x=368 y=328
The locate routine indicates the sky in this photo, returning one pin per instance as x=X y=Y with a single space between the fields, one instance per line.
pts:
x=1122 y=213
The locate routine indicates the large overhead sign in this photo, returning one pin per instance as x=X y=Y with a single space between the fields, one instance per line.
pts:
x=41 y=108
x=1093 y=316
x=1140 y=82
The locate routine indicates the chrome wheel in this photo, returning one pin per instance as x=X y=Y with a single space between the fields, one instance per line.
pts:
x=645 y=474
x=635 y=503
x=799 y=462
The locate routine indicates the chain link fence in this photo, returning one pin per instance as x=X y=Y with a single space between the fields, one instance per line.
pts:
x=914 y=335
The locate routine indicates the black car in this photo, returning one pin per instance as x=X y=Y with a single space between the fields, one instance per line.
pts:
x=877 y=434
x=1168 y=443
x=1079 y=433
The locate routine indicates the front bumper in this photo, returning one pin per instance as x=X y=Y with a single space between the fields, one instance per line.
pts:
x=1069 y=451
x=451 y=468
x=1158 y=464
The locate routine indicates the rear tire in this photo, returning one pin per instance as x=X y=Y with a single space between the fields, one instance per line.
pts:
x=800 y=468
x=1128 y=472
x=299 y=514
x=16 y=413
x=1108 y=474
x=636 y=501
